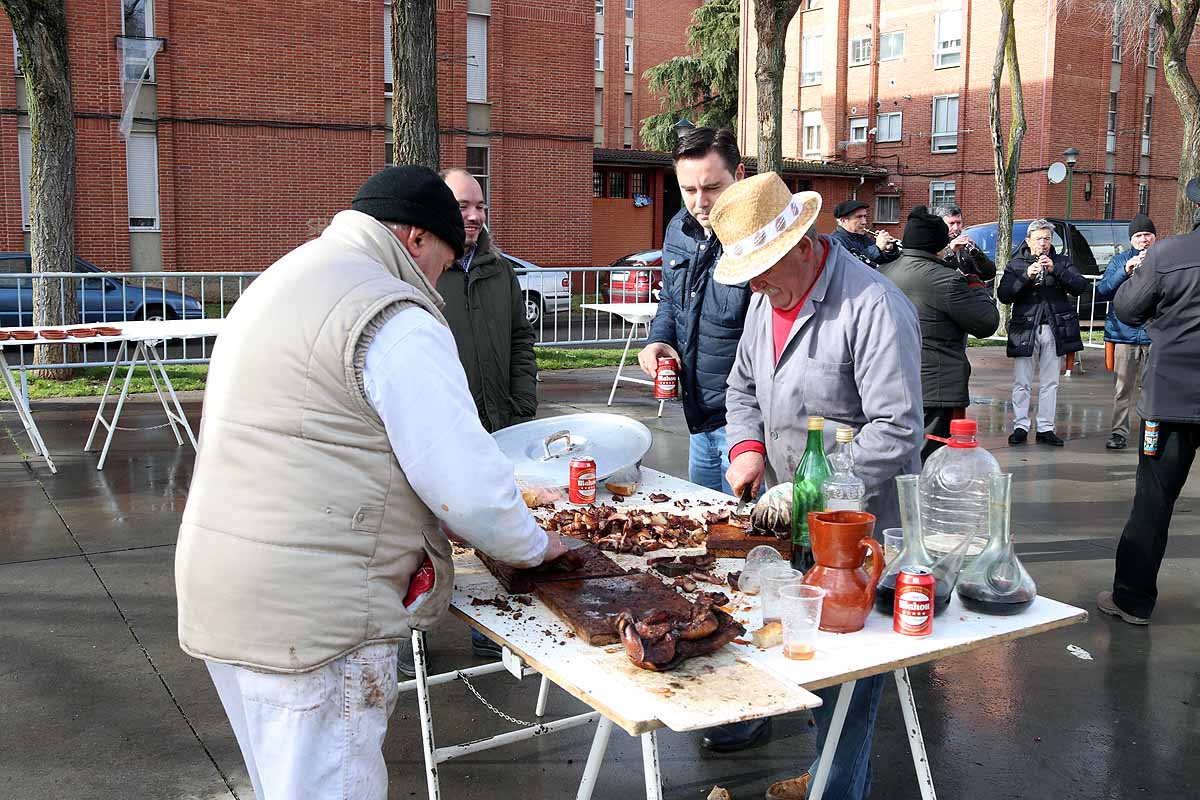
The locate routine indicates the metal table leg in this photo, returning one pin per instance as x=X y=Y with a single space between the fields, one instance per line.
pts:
x=155 y=362
x=595 y=758
x=427 y=745
x=25 y=414
x=112 y=375
x=916 y=742
x=621 y=365
x=650 y=766
x=111 y=425
x=543 y=693
x=832 y=737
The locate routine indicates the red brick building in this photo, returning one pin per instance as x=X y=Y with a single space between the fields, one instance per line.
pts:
x=905 y=86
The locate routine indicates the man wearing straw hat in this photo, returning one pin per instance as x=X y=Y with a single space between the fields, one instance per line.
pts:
x=825 y=335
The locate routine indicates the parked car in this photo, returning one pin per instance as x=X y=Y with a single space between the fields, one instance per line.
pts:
x=547 y=291
x=108 y=297
x=636 y=285
x=1090 y=244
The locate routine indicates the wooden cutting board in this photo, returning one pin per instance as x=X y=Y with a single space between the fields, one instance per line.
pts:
x=585 y=606
x=521 y=581
x=730 y=541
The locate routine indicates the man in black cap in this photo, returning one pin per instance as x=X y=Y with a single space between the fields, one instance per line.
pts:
x=1163 y=294
x=339 y=440
x=873 y=249
x=948 y=309
x=1128 y=344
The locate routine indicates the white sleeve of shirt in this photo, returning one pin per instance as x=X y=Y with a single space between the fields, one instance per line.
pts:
x=415 y=382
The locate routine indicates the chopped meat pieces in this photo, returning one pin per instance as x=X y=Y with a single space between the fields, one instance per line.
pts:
x=636 y=531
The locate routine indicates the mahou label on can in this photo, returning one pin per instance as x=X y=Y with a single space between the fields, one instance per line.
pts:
x=666 y=379
x=581 y=487
x=913 y=613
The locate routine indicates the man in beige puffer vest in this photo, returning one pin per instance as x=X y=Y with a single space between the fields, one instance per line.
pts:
x=339 y=439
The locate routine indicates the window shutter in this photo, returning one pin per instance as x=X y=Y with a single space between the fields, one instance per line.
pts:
x=477 y=57
x=25 y=145
x=142 y=177
x=387 y=47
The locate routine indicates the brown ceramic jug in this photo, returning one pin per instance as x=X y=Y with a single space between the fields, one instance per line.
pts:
x=841 y=543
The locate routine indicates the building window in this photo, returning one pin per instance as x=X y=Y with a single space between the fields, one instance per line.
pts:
x=25 y=146
x=860 y=51
x=477 y=47
x=811 y=5
x=479 y=165
x=1108 y=200
x=1116 y=41
x=887 y=208
x=616 y=185
x=941 y=193
x=599 y=8
x=137 y=22
x=628 y=119
x=1152 y=48
x=949 y=39
x=628 y=9
x=141 y=154
x=387 y=51
x=598 y=132
x=888 y=126
x=639 y=183
x=597 y=183
x=17 y=55
x=628 y=56
x=810 y=61
x=1144 y=198
x=945 y=124
x=858 y=130
x=599 y=52
x=812 y=134
x=1110 y=139
x=1147 y=124
x=891 y=46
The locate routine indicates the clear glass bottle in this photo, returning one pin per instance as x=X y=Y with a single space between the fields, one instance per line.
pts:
x=913 y=552
x=843 y=490
x=996 y=581
x=954 y=493
x=807 y=496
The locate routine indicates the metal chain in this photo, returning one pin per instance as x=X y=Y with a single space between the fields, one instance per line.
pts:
x=150 y=428
x=491 y=707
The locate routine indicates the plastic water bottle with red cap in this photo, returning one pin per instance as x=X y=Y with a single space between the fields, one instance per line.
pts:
x=954 y=495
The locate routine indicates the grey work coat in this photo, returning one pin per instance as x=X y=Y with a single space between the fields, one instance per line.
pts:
x=854 y=357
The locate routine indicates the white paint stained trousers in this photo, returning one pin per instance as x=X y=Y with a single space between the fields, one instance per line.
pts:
x=314 y=735
x=1047 y=363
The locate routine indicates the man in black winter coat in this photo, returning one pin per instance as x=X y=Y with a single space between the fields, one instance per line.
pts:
x=1164 y=292
x=1044 y=327
x=948 y=309
x=873 y=249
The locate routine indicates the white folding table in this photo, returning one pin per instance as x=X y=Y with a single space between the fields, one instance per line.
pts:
x=635 y=314
x=146 y=338
x=738 y=682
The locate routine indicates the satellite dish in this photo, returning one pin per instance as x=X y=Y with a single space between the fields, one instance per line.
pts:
x=1056 y=172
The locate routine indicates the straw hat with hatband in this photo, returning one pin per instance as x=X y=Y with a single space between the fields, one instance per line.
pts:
x=758 y=221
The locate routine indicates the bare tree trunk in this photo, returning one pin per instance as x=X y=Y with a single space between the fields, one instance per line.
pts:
x=771 y=18
x=414 y=83
x=1177 y=18
x=41 y=29
x=1007 y=160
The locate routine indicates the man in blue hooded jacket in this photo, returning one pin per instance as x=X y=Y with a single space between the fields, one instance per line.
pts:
x=1130 y=344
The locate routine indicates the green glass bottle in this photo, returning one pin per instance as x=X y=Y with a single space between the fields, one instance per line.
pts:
x=807 y=494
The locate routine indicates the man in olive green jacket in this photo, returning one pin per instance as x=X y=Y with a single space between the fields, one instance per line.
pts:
x=486 y=311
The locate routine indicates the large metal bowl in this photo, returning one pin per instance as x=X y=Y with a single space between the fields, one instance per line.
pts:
x=542 y=449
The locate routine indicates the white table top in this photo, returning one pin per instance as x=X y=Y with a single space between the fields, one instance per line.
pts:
x=631 y=312
x=739 y=681
x=132 y=331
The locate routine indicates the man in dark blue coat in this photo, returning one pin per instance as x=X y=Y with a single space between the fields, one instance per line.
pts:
x=852 y=233
x=699 y=323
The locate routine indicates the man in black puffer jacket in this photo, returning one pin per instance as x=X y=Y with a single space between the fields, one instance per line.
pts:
x=699 y=321
x=1044 y=326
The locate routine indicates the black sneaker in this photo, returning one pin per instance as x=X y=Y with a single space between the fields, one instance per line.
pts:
x=1018 y=436
x=484 y=647
x=1115 y=442
x=736 y=735
x=1050 y=438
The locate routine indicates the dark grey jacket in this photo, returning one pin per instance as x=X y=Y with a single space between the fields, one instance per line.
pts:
x=1165 y=291
x=972 y=261
x=948 y=309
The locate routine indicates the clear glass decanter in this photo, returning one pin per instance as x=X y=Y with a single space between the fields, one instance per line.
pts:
x=912 y=552
x=996 y=581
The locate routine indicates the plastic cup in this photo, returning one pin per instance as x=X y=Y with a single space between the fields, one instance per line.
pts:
x=893 y=543
x=800 y=606
x=760 y=558
x=773 y=579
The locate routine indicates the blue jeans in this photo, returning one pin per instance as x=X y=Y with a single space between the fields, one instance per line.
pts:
x=708 y=460
x=850 y=771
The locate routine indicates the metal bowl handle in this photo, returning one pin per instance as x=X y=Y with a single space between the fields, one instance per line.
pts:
x=554 y=437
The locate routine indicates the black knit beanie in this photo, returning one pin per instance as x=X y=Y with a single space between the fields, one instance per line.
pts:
x=925 y=231
x=416 y=196
x=1141 y=224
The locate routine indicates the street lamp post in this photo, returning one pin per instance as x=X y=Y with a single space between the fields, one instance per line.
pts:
x=1072 y=156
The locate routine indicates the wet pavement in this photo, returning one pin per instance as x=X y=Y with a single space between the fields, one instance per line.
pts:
x=99 y=702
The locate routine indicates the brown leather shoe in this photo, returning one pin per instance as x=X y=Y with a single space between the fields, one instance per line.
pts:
x=791 y=789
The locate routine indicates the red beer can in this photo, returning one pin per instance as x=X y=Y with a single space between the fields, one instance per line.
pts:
x=913 y=611
x=582 y=481
x=666 y=379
